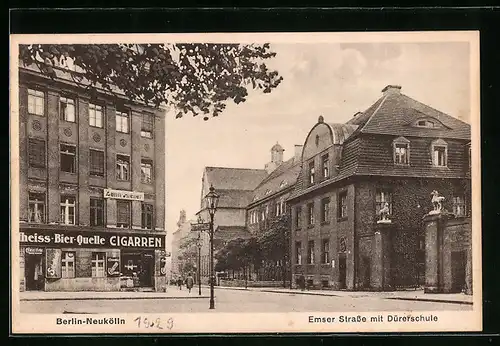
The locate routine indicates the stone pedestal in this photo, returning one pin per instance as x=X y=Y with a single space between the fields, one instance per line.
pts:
x=434 y=245
x=381 y=257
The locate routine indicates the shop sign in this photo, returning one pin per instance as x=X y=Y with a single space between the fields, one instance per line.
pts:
x=34 y=250
x=163 y=266
x=123 y=194
x=53 y=260
x=113 y=266
x=92 y=239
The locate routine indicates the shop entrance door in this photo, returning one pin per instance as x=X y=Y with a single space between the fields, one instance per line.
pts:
x=33 y=272
x=138 y=266
x=342 y=272
x=147 y=269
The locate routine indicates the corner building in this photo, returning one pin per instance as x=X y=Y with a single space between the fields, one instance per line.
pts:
x=92 y=194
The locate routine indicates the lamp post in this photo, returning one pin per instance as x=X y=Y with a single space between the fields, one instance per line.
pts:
x=198 y=243
x=212 y=200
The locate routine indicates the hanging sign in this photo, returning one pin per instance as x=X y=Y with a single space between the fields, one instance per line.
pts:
x=34 y=250
x=113 y=266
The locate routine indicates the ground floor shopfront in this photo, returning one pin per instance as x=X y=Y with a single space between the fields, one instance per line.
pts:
x=84 y=260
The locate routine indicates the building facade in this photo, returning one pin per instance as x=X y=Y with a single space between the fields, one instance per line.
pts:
x=364 y=188
x=92 y=193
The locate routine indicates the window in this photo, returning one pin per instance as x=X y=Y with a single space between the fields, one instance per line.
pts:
x=68 y=265
x=311 y=172
x=267 y=210
x=298 y=253
x=67 y=210
x=36 y=102
x=36 y=205
x=470 y=155
x=282 y=207
x=67 y=109
x=146 y=171
x=325 y=210
x=325 y=251
x=147 y=216
x=324 y=164
x=342 y=245
x=122 y=121
x=95 y=115
x=122 y=167
x=36 y=153
x=283 y=183
x=382 y=197
x=123 y=214
x=96 y=163
x=439 y=153
x=425 y=123
x=298 y=217
x=98 y=259
x=68 y=158
x=277 y=208
x=459 y=206
x=147 y=126
x=310 y=213
x=262 y=215
x=310 y=252
x=96 y=212
x=342 y=205
x=401 y=147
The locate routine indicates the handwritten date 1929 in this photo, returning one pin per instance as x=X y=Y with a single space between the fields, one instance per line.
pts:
x=155 y=323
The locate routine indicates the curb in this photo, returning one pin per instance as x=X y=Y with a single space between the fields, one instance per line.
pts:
x=107 y=298
x=432 y=300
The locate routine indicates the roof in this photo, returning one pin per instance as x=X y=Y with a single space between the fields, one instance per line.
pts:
x=234 y=198
x=341 y=132
x=283 y=177
x=277 y=147
x=394 y=114
x=224 y=178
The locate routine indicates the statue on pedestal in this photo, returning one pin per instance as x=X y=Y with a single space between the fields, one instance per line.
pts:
x=384 y=214
x=437 y=202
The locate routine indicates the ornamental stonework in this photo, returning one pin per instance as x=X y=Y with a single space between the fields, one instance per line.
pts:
x=123 y=142
x=67 y=131
x=36 y=125
x=96 y=137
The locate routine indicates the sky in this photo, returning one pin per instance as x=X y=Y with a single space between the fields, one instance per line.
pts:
x=334 y=80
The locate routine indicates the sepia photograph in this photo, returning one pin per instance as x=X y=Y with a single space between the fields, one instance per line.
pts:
x=285 y=182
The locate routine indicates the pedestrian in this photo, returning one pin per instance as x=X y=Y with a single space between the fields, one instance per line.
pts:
x=179 y=282
x=189 y=282
x=302 y=282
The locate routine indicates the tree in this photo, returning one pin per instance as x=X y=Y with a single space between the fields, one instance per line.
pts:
x=194 y=78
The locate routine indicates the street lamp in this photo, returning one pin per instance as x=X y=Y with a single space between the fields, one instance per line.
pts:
x=212 y=200
x=198 y=243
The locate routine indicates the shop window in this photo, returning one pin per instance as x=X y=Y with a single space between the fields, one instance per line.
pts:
x=123 y=214
x=96 y=163
x=459 y=208
x=36 y=153
x=147 y=126
x=310 y=214
x=68 y=158
x=439 y=153
x=298 y=217
x=95 y=115
x=122 y=121
x=36 y=203
x=324 y=284
x=68 y=210
x=68 y=265
x=325 y=162
x=67 y=109
x=298 y=253
x=96 y=212
x=310 y=252
x=98 y=260
x=401 y=148
x=122 y=167
x=382 y=197
x=325 y=251
x=342 y=205
x=146 y=171
x=311 y=172
x=147 y=216
x=36 y=102
x=325 y=209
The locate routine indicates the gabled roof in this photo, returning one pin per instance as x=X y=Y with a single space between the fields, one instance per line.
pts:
x=234 y=198
x=224 y=178
x=395 y=114
x=286 y=172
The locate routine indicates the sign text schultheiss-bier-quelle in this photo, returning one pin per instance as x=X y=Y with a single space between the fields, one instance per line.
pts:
x=122 y=194
x=89 y=239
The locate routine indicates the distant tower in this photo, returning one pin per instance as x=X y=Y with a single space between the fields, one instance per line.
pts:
x=276 y=158
x=182 y=218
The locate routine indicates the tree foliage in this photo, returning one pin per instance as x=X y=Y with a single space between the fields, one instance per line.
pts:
x=195 y=78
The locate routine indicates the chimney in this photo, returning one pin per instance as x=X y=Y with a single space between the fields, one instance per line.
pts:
x=391 y=90
x=298 y=152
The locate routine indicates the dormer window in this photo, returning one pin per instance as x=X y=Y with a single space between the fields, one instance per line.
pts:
x=255 y=198
x=401 y=149
x=268 y=192
x=469 y=150
x=439 y=153
x=429 y=123
x=425 y=123
x=283 y=183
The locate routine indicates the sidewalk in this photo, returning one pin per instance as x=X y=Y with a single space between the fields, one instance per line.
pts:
x=172 y=293
x=417 y=295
